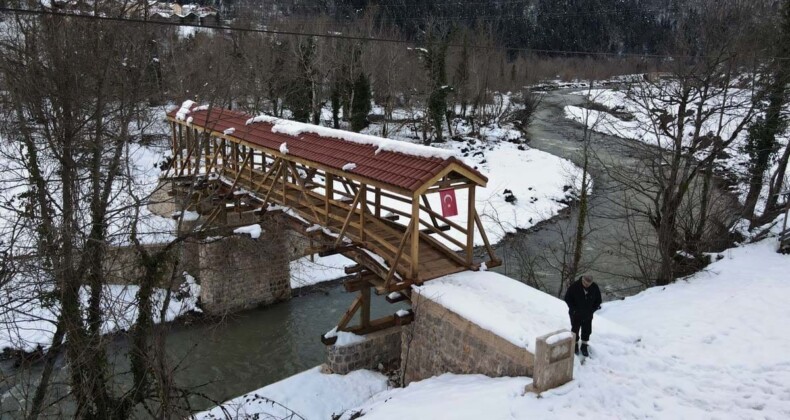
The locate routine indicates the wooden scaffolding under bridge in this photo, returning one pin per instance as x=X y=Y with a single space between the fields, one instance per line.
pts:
x=366 y=197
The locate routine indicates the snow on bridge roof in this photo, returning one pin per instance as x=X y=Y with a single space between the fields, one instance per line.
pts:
x=401 y=164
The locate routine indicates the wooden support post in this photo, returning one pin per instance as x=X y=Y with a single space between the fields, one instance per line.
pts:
x=279 y=163
x=211 y=163
x=364 y=315
x=252 y=163
x=329 y=194
x=176 y=152
x=285 y=181
x=470 y=226
x=483 y=235
x=189 y=151
x=398 y=255
x=262 y=182
x=348 y=219
x=238 y=176
x=206 y=150
x=415 y=236
x=349 y=313
x=303 y=186
x=187 y=165
x=378 y=202
x=428 y=206
x=224 y=148
x=363 y=200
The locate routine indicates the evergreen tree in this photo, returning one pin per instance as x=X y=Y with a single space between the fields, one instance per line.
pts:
x=434 y=60
x=361 y=106
x=300 y=96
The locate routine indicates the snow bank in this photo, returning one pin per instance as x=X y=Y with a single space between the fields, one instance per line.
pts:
x=732 y=313
x=34 y=320
x=712 y=346
x=311 y=394
x=641 y=128
x=449 y=396
x=293 y=128
x=349 y=166
x=305 y=272
x=345 y=338
x=508 y=308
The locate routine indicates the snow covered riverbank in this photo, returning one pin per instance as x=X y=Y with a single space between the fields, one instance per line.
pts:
x=708 y=346
x=628 y=114
x=29 y=320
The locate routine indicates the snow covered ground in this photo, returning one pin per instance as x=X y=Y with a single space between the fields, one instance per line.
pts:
x=305 y=272
x=28 y=319
x=640 y=127
x=712 y=346
x=709 y=346
x=310 y=394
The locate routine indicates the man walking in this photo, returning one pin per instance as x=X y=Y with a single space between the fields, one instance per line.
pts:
x=583 y=298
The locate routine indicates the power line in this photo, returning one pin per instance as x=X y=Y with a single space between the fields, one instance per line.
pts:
x=334 y=35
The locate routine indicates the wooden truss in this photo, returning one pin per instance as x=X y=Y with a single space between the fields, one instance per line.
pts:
x=394 y=235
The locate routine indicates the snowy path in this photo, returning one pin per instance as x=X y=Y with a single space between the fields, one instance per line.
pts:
x=714 y=346
x=711 y=346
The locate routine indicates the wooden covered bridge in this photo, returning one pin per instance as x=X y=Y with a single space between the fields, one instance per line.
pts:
x=363 y=196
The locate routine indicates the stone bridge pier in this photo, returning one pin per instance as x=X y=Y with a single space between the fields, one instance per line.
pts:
x=239 y=272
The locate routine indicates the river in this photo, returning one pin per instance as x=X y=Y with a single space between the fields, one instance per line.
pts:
x=532 y=256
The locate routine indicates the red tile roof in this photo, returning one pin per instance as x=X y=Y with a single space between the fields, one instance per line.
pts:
x=398 y=169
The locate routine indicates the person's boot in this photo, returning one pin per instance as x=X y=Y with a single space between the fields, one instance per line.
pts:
x=585 y=350
x=576 y=349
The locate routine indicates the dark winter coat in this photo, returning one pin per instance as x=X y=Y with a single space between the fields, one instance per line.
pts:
x=583 y=304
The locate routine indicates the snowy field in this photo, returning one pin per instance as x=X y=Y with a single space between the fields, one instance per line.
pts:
x=29 y=321
x=709 y=346
x=641 y=128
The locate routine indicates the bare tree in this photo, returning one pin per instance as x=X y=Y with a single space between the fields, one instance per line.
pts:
x=75 y=96
x=686 y=123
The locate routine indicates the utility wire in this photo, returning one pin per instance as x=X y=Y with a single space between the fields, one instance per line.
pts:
x=335 y=35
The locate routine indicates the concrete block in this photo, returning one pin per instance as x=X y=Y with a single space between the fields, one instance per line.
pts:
x=553 y=360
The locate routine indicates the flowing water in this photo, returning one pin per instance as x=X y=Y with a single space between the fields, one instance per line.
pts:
x=533 y=256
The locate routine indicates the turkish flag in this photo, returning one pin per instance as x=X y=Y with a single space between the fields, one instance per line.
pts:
x=449 y=206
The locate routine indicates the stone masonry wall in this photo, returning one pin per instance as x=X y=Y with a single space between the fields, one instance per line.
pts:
x=123 y=265
x=381 y=347
x=239 y=272
x=440 y=341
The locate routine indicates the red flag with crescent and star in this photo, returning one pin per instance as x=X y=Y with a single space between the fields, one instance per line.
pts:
x=449 y=206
